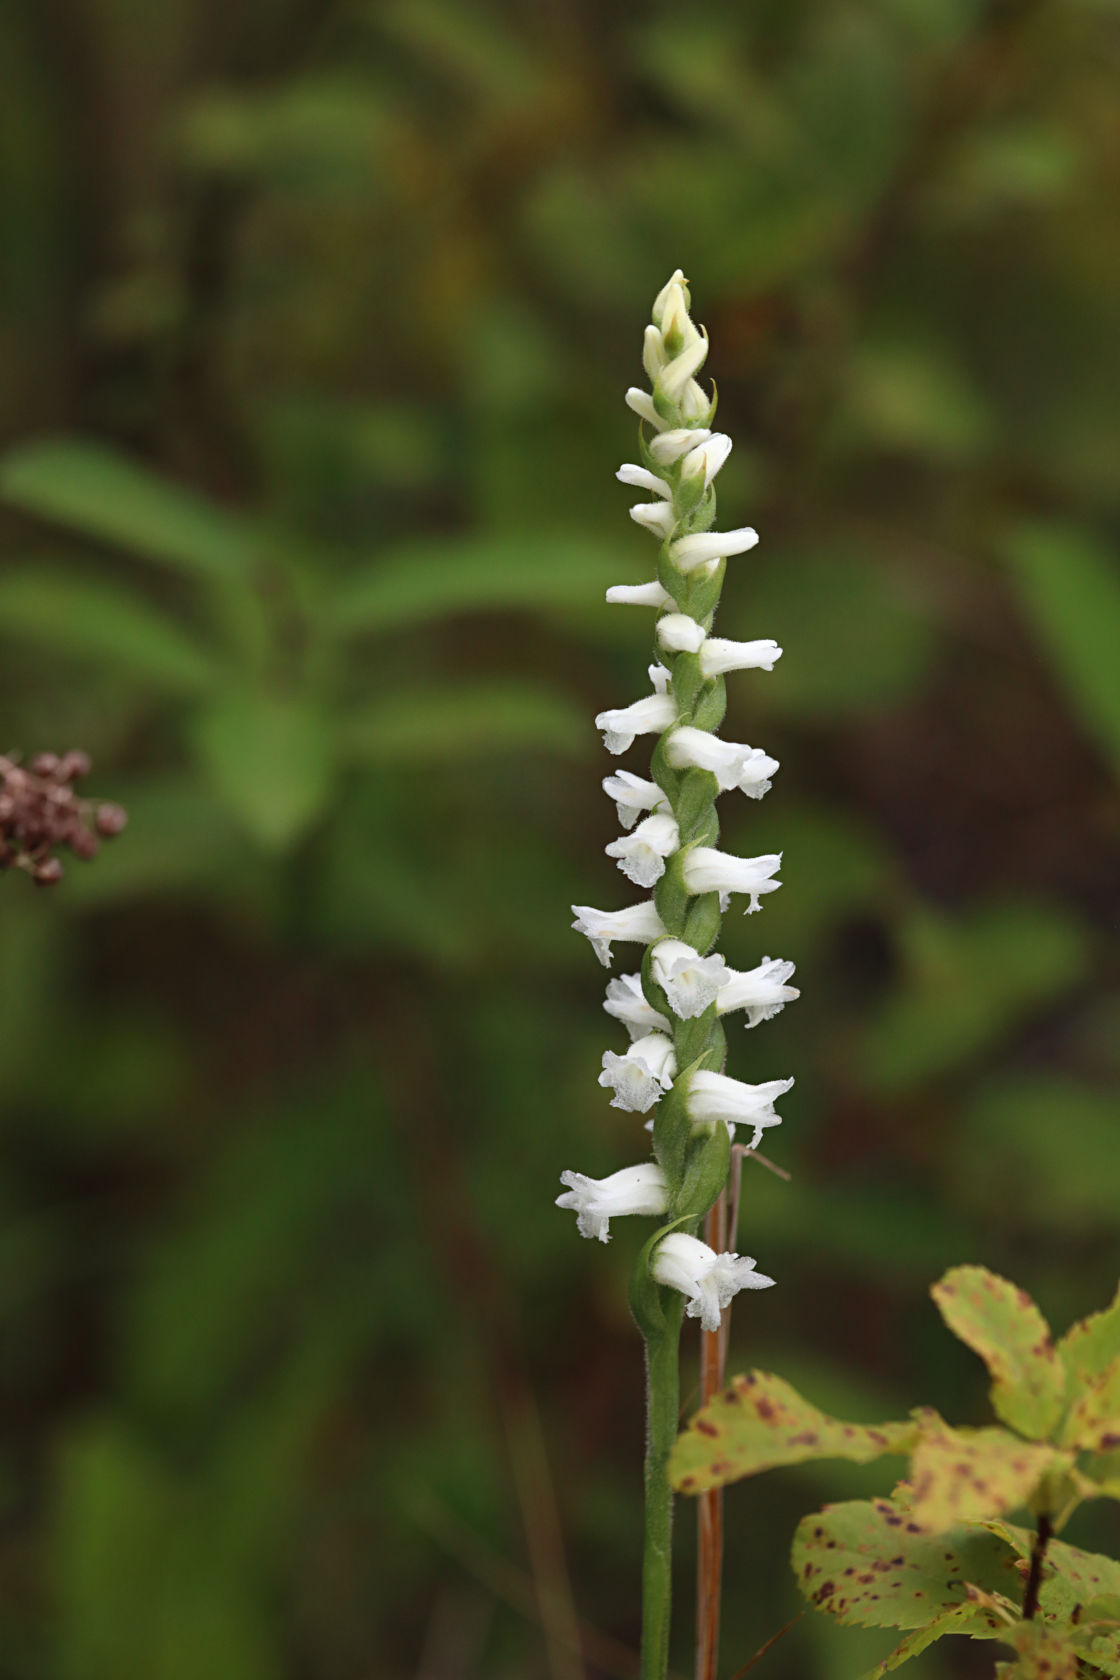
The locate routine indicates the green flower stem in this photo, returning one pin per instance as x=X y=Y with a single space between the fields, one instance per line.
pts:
x=662 y=1413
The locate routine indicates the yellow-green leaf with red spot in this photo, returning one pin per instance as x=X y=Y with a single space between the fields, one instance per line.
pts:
x=1002 y=1324
x=760 y=1422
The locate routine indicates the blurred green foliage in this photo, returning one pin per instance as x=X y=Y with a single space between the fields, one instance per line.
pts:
x=315 y=318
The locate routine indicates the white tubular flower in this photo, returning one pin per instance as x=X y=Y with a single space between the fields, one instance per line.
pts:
x=696 y=405
x=673 y=379
x=678 y=633
x=638 y=478
x=660 y=676
x=596 y=1201
x=653 y=353
x=640 y=1078
x=763 y=991
x=627 y=1002
x=690 y=552
x=657 y=518
x=710 y=1280
x=632 y=795
x=732 y=763
x=707 y=458
x=706 y=870
x=639 y=924
x=718 y=656
x=713 y=1097
x=649 y=716
x=642 y=404
x=639 y=595
x=690 y=982
x=641 y=855
x=669 y=446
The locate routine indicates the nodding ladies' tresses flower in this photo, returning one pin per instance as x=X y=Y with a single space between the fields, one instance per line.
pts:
x=639 y=478
x=632 y=795
x=641 y=855
x=648 y=716
x=638 y=595
x=657 y=517
x=690 y=982
x=640 y=1078
x=703 y=546
x=706 y=870
x=733 y=764
x=677 y=633
x=596 y=1201
x=627 y=1002
x=761 y=991
x=710 y=1280
x=713 y=1097
x=639 y=923
x=704 y=461
x=717 y=656
x=679 y=440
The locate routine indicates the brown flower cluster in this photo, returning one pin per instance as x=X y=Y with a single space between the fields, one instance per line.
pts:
x=41 y=811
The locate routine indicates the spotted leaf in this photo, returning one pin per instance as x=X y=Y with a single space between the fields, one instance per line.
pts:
x=870 y=1563
x=1093 y=1423
x=1091 y=1345
x=1074 y=1582
x=760 y=1422
x=963 y=1475
x=1002 y=1324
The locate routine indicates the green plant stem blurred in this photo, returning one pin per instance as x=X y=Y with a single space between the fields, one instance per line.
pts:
x=662 y=1412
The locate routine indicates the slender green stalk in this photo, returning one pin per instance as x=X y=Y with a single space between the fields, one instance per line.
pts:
x=662 y=1413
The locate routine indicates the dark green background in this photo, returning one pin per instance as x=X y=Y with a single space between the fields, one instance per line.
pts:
x=316 y=319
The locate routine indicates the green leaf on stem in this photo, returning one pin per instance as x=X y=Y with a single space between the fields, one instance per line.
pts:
x=1072 y=1579
x=1091 y=1345
x=759 y=1422
x=427 y=725
x=1093 y=1423
x=961 y=1619
x=269 y=758
x=65 y=612
x=1002 y=1324
x=100 y=493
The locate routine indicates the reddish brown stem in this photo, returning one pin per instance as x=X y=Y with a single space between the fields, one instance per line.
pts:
x=709 y=1571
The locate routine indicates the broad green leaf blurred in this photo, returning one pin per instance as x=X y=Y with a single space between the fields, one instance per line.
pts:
x=1055 y=1141
x=427 y=579
x=179 y=835
x=967 y=983
x=915 y=398
x=429 y=724
x=1070 y=586
x=861 y=641
x=270 y=759
x=74 y=614
x=100 y=493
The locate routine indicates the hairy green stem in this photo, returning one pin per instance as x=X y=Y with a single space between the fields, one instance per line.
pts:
x=662 y=1412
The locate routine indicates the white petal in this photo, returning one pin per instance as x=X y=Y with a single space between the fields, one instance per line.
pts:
x=680 y=634
x=690 y=552
x=638 y=478
x=642 y=404
x=639 y=595
x=656 y=517
x=675 y=442
x=720 y=656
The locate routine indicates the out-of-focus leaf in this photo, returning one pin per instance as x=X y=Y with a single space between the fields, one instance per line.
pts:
x=961 y=1619
x=100 y=493
x=1070 y=586
x=1021 y=164
x=969 y=981
x=178 y=834
x=84 y=616
x=961 y=1475
x=1043 y=1654
x=473 y=48
x=1093 y=1423
x=415 y=583
x=908 y=398
x=759 y=1422
x=270 y=758
x=1003 y=1325
x=1091 y=1345
x=114 y=1514
x=1055 y=1140
x=867 y=1562
x=432 y=724
x=860 y=643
